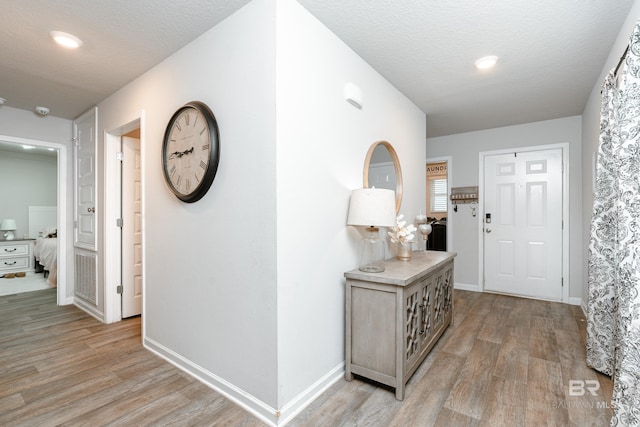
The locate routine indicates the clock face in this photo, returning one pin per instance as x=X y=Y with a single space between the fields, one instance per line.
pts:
x=190 y=151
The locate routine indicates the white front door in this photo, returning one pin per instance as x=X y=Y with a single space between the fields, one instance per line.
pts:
x=131 y=227
x=85 y=133
x=523 y=223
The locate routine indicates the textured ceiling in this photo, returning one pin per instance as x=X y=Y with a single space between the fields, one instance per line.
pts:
x=551 y=52
x=122 y=39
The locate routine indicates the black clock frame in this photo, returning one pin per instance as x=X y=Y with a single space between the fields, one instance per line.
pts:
x=214 y=152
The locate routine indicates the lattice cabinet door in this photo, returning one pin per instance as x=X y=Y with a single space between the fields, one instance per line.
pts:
x=413 y=323
x=426 y=321
x=448 y=291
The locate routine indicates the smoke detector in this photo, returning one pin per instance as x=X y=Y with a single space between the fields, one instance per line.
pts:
x=43 y=111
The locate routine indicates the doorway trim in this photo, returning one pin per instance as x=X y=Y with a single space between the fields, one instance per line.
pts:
x=62 y=298
x=112 y=199
x=449 y=160
x=564 y=146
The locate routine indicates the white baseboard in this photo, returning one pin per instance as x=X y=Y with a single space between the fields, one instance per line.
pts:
x=465 y=287
x=66 y=301
x=88 y=308
x=247 y=401
x=301 y=401
x=584 y=309
x=250 y=403
x=575 y=301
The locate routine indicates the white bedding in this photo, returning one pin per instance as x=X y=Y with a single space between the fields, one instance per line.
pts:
x=45 y=251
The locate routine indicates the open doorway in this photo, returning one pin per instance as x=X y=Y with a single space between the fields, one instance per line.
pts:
x=124 y=271
x=131 y=225
x=438 y=178
x=58 y=153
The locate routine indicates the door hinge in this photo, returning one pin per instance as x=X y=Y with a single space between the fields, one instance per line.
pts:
x=119 y=222
x=120 y=155
x=562 y=282
x=119 y=289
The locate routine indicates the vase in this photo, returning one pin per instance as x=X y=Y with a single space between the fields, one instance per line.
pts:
x=404 y=251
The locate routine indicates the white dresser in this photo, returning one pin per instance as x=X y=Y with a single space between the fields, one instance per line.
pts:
x=395 y=317
x=16 y=256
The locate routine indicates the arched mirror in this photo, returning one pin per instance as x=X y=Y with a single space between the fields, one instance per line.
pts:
x=382 y=169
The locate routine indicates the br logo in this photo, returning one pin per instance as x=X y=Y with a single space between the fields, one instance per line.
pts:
x=578 y=387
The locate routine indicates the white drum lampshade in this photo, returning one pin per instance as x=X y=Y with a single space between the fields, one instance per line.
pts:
x=372 y=208
x=8 y=225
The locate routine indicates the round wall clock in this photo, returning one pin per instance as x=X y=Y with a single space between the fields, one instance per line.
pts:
x=191 y=151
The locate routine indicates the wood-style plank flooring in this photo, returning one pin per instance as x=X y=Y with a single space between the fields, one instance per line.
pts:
x=505 y=361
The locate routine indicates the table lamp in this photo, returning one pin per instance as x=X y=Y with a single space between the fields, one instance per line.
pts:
x=8 y=225
x=372 y=208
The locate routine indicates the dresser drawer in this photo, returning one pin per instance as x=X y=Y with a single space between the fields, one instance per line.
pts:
x=14 y=250
x=14 y=263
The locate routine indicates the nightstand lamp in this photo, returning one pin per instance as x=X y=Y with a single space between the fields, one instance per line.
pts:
x=8 y=225
x=372 y=208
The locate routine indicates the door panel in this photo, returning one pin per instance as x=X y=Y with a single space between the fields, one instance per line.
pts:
x=85 y=131
x=131 y=228
x=523 y=241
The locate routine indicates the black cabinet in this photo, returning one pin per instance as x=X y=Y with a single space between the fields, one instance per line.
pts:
x=438 y=238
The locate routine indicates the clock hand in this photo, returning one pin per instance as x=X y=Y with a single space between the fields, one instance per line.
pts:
x=179 y=154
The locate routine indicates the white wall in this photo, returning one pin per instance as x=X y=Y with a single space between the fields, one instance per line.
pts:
x=465 y=148
x=27 y=124
x=26 y=180
x=322 y=143
x=245 y=287
x=591 y=134
x=210 y=266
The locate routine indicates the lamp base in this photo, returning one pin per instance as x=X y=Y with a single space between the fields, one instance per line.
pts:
x=9 y=235
x=371 y=268
x=372 y=252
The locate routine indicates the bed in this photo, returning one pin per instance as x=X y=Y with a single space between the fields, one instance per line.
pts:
x=42 y=228
x=45 y=250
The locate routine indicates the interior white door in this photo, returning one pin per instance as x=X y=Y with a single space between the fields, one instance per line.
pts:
x=523 y=237
x=131 y=228
x=85 y=133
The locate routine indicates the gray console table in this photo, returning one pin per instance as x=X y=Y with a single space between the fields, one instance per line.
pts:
x=394 y=318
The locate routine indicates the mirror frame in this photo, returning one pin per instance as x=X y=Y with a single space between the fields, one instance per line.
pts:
x=396 y=166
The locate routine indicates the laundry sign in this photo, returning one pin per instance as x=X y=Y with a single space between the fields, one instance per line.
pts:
x=437 y=168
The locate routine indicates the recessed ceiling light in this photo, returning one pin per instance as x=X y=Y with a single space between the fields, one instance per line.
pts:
x=486 y=62
x=66 y=40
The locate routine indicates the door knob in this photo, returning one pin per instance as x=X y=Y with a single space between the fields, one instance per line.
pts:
x=91 y=210
x=488 y=230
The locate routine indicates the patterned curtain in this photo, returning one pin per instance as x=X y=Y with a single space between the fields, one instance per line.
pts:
x=613 y=328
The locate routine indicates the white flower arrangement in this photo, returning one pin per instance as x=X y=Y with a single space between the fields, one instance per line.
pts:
x=400 y=233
